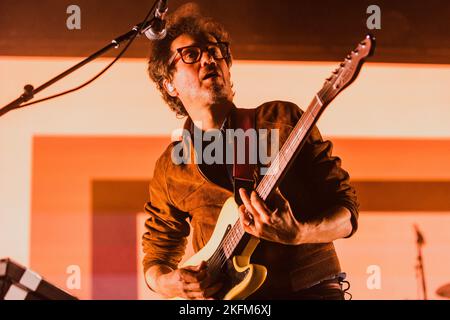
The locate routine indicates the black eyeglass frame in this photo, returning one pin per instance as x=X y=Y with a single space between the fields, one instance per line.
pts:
x=202 y=49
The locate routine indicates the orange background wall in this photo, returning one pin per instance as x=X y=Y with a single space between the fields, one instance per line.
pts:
x=385 y=239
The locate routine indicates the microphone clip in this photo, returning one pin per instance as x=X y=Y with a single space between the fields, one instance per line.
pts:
x=157 y=28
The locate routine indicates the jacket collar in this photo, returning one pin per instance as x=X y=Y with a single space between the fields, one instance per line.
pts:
x=189 y=124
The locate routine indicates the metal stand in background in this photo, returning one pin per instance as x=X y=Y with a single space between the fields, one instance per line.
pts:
x=420 y=273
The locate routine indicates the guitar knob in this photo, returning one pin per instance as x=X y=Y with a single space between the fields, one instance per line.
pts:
x=349 y=57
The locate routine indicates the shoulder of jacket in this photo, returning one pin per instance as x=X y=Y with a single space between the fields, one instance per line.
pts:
x=165 y=157
x=279 y=111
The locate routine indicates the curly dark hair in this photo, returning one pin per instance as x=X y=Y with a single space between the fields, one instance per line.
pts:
x=185 y=20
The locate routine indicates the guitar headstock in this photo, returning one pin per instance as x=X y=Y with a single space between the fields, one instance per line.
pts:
x=348 y=70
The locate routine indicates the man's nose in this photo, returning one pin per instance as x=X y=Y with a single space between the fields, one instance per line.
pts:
x=207 y=58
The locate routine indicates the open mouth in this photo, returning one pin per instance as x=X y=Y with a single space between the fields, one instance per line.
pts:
x=212 y=74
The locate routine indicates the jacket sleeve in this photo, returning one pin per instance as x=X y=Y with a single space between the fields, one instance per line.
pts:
x=165 y=239
x=330 y=183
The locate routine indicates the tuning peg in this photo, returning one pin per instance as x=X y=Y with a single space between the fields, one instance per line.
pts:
x=342 y=64
x=349 y=57
x=328 y=79
x=335 y=71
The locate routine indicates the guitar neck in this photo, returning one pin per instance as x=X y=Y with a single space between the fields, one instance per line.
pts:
x=338 y=81
x=290 y=148
x=279 y=165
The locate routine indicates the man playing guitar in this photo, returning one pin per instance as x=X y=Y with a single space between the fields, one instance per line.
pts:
x=312 y=206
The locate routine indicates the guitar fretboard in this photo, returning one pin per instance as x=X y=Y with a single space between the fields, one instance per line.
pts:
x=278 y=167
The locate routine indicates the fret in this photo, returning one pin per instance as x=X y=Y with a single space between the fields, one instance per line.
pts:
x=278 y=166
x=276 y=169
x=291 y=145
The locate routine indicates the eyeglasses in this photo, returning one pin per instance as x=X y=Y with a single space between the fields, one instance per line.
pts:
x=193 y=54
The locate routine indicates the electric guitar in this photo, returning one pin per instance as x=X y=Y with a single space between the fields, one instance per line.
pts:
x=229 y=250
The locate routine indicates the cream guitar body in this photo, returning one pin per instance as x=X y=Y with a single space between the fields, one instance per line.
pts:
x=241 y=278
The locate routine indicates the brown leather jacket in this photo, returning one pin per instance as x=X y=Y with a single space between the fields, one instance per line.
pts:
x=181 y=196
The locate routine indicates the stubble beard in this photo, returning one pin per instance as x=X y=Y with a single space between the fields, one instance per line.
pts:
x=220 y=93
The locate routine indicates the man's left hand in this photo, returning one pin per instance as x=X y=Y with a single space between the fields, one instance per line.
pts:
x=277 y=225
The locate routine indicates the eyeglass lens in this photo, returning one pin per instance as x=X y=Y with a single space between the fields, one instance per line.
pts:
x=193 y=54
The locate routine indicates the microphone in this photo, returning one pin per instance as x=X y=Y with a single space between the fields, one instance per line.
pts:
x=157 y=30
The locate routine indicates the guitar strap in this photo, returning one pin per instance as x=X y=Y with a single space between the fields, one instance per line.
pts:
x=243 y=173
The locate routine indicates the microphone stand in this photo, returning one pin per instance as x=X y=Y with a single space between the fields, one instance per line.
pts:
x=420 y=273
x=30 y=91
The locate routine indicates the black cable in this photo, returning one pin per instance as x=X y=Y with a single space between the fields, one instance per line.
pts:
x=345 y=291
x=102 y=71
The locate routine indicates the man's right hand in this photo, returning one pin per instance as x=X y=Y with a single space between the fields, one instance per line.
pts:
x=187 y=283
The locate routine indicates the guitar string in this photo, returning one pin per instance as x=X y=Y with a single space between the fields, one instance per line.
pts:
x=221 y=258
x=291 y=146
x=268 y=183
x=282 y=161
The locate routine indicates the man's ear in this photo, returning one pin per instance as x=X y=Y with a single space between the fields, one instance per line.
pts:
x=170 y=88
